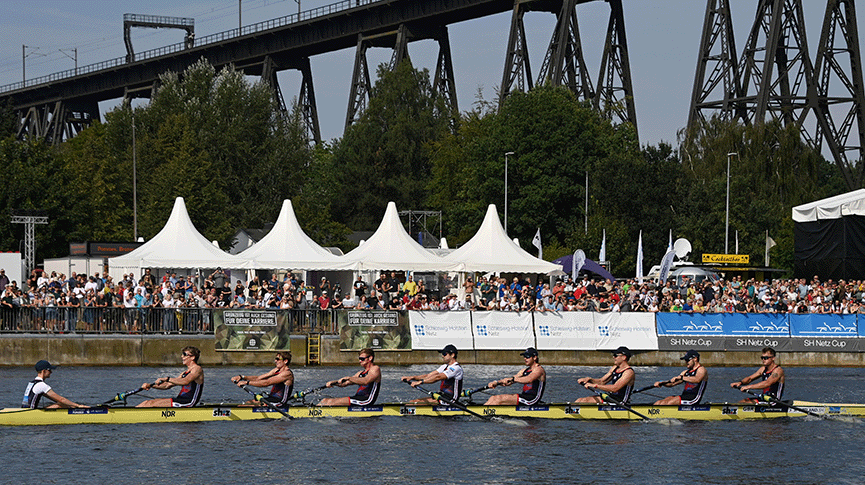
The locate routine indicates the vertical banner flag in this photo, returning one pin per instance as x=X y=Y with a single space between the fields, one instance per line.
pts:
x=666 y=263
x=670 y=241
x=536 y=242
x=602 y=255
x=737 y=241
x=769 y=243
x=640 y=259
x=577 y=263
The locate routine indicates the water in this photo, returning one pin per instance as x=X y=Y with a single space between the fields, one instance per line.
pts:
x=435 y=450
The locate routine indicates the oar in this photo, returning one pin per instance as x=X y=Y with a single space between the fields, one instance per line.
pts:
x=773 y=399
x=608 y=398
x=468 y=393
x=123 y=395
x=453 y=402
x=650 y=387
x=301 y=394
x=261 y=398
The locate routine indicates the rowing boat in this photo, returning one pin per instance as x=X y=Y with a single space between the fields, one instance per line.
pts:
x=233 y=412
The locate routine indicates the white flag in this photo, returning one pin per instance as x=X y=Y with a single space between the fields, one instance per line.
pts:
x=640 y=258
x=602 y=256
x=669 y=244
x=769 y=243
x=577 y=263
x=737 y=242
x=536 y=242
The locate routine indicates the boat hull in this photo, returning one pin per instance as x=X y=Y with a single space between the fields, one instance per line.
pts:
x=220 y=412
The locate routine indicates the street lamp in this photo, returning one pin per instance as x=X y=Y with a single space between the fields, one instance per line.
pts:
x=727 y=224
x=134 y=180
x=506 y=190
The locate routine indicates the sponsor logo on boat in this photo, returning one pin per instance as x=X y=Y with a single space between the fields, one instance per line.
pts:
x=489 y=411
x=605 y=407
x=221 y=413
x=88 y=411
x=369 y=409
x=169 y=413
x=533 y=408
x=572 y=410
x=654 y=411
x=446 y=408
x=314 y=412
x=731 y=410
x=747 y=409
x=695 y=408
x=407 y=411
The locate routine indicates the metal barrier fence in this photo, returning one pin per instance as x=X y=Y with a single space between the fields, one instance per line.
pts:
x=101 y=320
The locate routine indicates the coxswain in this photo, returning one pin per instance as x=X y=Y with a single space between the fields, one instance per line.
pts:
x=37 y=388
x=618 y=382
x=368 y=381
x=191 y=382
x=450 y=373
x=771 y=377
x=280 y=379
x=695 y=376
x=533 y=378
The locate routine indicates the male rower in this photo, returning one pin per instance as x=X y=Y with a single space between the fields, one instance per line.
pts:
x=191 y=382
x=618 y=382
x=368 y=381
x=37 y=388
x=533 y=378
x=771 y=377
x=450 y=374
x=695 y=377
x=280 y=379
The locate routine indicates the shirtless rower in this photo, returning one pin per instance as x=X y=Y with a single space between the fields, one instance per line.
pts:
x=771 y=377
x=450 y=373
x=533 y=378
x=695 y=376
x=618 y=382
x=368 y=381
x=191 y=382
x=280 y=379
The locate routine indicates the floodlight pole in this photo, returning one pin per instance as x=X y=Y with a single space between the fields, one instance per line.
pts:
x=727 y=223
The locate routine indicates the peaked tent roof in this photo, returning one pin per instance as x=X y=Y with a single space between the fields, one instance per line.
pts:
x=287 y=246
x=178 y=245
x=491 y=250
x=391 y=248
x=849 y=204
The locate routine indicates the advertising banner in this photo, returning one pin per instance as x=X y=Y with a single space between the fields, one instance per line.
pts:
x=502 y=330
x=250 y=330
x=824 y=325
x=696 y=342
x=689 y=324
x=755 y=324
x=565 y=331
x=633 y=330
x=434 y=330
x=378 y=330
x=756 y=343
x=825 y=344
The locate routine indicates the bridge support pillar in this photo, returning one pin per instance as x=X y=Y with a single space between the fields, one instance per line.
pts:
x=615 y=95
x=564 y=63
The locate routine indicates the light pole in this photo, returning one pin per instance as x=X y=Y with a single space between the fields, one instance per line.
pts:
x=506 y=190
x=134 y=181
x=727 y=223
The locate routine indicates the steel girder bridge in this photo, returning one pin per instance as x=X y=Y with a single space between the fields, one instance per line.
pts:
x=773 y=78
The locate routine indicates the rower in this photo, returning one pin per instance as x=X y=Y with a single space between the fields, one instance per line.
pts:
x=280 y=379
x=191 y=380
x=618 y=382
x=771 y=377
x=37 y=388
x=368 y=381
x=695 y=376
x=450 y=373
x=533 y=378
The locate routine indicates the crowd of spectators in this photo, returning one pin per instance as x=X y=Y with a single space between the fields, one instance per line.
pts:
x=82 y=295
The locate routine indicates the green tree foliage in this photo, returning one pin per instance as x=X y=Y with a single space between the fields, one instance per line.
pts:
x=385 y=155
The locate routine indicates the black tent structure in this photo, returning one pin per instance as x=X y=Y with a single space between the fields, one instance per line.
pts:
x=829 y=237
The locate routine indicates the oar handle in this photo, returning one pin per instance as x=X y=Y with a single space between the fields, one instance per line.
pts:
x=469 y=392
x=608 y=398
x=660 y=384
x=262 y=398
x=301 y=394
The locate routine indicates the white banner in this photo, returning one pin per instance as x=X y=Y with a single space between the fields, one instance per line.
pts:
x=434 y=330
x=502 y=330
x=565 y=331
x=635 y=331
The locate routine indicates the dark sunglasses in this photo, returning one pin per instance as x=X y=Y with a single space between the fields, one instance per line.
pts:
x=765 y=357
x=184 y=354
x=362 y=358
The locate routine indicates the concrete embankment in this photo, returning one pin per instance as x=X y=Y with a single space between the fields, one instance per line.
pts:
x=164 y=350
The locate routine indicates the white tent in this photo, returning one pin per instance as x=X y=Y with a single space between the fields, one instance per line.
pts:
x=849 y=204
x=391 y=248
x=491 y=250
x=178 y=245
x=287 y=246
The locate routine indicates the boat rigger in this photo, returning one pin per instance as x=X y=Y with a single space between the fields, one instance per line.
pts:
x=232 y=412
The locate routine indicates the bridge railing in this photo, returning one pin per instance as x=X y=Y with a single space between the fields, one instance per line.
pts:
x=199 y=42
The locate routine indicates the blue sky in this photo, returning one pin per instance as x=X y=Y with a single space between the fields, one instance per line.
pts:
x=663 y=38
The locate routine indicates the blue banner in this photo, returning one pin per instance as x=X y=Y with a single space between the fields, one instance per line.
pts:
x=683 y=324
x=824 y=325
x=723 y=324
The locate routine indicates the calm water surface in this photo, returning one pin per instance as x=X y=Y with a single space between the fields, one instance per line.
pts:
x=435 y=450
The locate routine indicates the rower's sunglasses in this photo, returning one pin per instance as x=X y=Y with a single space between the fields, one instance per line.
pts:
x=362 y=358
x=765 y=357
x=184 y=354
